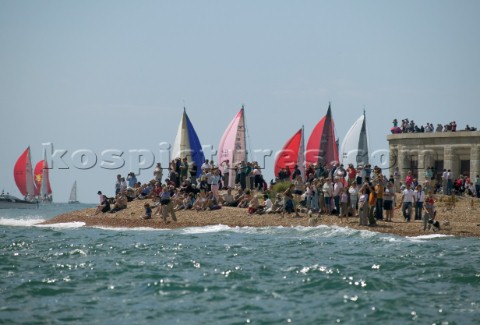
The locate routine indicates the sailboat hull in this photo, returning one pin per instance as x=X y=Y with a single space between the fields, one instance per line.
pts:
x=11 y=202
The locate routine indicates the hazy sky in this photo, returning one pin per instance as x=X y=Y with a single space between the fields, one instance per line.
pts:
x=100 y=75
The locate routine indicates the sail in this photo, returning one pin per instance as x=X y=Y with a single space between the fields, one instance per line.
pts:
x=232 y=146
x=187 y=144
x=322 y=146
x=42 y=181
x=23 y=174
x=289 y=155
x=73 y=193
x=355 y=144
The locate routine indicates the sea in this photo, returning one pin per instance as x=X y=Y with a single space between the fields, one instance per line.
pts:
x=72 y=274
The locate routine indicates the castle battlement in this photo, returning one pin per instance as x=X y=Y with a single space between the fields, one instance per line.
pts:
x=458 y=151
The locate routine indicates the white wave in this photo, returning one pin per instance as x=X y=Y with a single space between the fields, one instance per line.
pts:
x=65 y=225
x=431 y=236
x=207 y=229
x=130 y=228
x=20 y=222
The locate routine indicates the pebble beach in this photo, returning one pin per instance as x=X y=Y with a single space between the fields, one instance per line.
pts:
x=462 y=220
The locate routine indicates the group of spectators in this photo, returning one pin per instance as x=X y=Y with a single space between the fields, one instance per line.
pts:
x=360 y=191
x=409 y=126
x=187 y=187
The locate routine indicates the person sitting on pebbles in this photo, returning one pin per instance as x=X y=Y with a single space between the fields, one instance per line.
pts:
x=104 y=205
x=277 y=206
x=148 y=211
x=120 y=202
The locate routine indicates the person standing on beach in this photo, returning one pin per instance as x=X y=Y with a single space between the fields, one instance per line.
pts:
x=363 y=207
x=337 y=192
x=158 y=173
x=429 y=209
x=226 y=173
x=379 y=190
x=419 y=199
x=193 y=173
x=407 y=201
x=118 y=183
x=131 y=179
x=353 y=193
x=167 y=205
x=389 y=201
x=327 y=194
x=444 y=182
x=183 y=169
x=449 y=182
x=214 y=183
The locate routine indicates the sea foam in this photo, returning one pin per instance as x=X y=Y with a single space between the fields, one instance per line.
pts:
x=65 y=225
x=20 y=222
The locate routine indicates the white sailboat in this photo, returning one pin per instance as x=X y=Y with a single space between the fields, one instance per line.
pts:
x=355 y=144
x=73 y=194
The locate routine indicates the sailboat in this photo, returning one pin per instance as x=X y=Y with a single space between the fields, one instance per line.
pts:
x=355 y=144
x=187 y=144
x=232 y=146
x=23 y=175
x=322 y=146
x=73 y=194
x=43 y=189
x=292 y=153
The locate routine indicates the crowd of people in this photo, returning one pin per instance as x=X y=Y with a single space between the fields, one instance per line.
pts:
x=361 y=191
x=409 y=126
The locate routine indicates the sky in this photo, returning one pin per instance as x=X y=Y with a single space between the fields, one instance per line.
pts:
x=97 y=76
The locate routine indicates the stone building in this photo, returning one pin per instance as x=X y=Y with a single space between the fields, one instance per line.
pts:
x=458 y=151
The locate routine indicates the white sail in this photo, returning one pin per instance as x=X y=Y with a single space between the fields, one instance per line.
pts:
x=355 y=144
x=73 y=194
x=181 y=145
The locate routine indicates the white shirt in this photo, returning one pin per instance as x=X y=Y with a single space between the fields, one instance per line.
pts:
x=444 y=175
x=408 y=196
x=337 y=188
x=327 y=189
x=419 y=196
x=268 y=204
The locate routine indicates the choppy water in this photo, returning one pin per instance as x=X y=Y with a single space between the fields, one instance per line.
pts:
x=219 y=275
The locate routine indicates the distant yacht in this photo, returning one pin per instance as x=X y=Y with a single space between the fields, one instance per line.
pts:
x=73 y=194
x=8 y=201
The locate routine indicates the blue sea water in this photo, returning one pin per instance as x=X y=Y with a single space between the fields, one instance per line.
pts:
x=69 y=273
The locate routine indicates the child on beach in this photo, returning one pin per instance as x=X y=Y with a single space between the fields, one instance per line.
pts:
x=429 y=210
x=363 y=207
x=148 y=211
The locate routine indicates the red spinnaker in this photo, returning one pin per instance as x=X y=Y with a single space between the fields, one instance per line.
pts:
x=288 y=156
x=322 y=145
